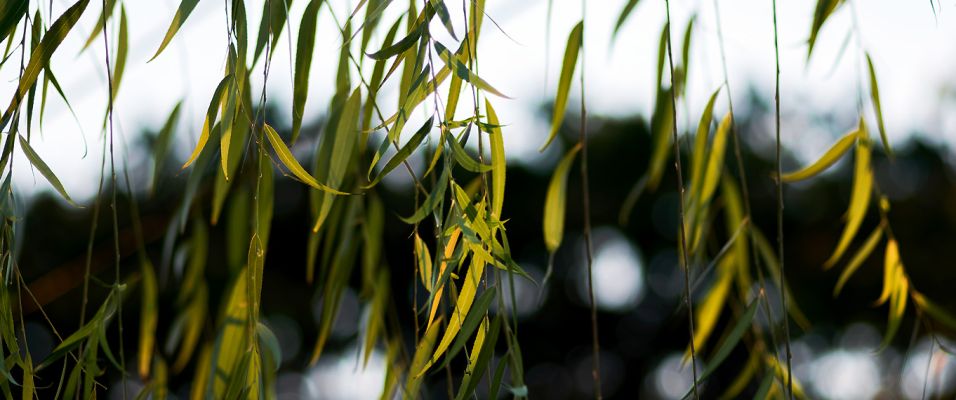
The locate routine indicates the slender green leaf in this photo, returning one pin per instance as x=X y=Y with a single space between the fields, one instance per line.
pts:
x=185 y=8
x=498 y=163
x=700 y=145
x=715 y=163
x=829 y=158
x=404 y=152
x=343 y=147
x=287 y=159
x=858 y=258
x=461 y=70
x=875 y=97
x=303 y=64
x=859 y=199
x=44 y=170
x=823 y=10
x=741 y=326
x=210 y=119
x=623 y=16
x=148 y=318
x=40 y=57
x=555 y=200
x=575 y=40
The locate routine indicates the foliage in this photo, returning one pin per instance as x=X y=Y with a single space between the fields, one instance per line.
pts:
x=457 y=228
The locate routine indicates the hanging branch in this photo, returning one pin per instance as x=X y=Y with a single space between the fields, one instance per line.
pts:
x=680 y=191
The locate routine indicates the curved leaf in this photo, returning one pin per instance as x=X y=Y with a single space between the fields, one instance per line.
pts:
x=185 y=8
x=555 y=199
x=828 y=159
x=287 y=159
x=564 y=83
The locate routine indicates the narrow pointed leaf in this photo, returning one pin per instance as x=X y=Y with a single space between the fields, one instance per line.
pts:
x=210 y=119
x=564 y=83
x=498 y=163
x=861 y=255
x=859 y=200
x=287 y=159
x=40 y=57
x=555 y=200
x=185 y=8
x=715 y=164
x=44 y=170
x=832 y=155
x=628 y=8
x=742 y=325
x=303 y=64
x=875 y=97
x=404 y=152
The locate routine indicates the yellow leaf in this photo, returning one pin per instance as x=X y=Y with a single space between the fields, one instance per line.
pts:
x=555 y=200
x=287 y=159
x=891 y=262
x=715 y=164
x=859 y=199
x=449 y=250
x=828 y=159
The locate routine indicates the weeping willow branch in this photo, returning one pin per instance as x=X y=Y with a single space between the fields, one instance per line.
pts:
x=783 y=270
x=680 y=191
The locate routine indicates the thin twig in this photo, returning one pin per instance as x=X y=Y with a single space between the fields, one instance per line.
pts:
x=586 y=203
x=680 y=191
x=116 y=244
x=783 y=271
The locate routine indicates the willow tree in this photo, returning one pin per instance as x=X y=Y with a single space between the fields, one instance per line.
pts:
x=457 y=229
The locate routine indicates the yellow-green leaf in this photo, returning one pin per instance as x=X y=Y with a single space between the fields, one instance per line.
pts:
x=422 y=353
x=829 y=158
x=564 y=83
x=859 y=199
x=715 y=163
x=210 y=119
x=498 y=163
x=343 y=147
x=857 y=260
x=44 y=169
x=303 y=64
x=891 y=263
x=934 y=310
x=287 y=159
x=875 y=97
x=823 y=10
x=148 y=317
x=700 y=145
x=465 y=299
x=40 y=57
x=185 y=8
x=555 y=200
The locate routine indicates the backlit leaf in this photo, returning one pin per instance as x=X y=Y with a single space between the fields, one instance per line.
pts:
x=575 y=40
x=715 y=164
x=210 y=119
x=875 y=97
x=287 y=159
x=858 y=258
x=343 y=147
x=498 y=163
x=623 y=16
x=823 y=10
x=303 y=63
x=832 y=155
x=44 y=169
x=185 y=8
x=859 y=198
x=148 y=317
x=40 y=57
x=555 y=200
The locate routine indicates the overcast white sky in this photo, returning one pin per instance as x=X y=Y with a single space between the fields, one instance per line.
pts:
x=913 y=52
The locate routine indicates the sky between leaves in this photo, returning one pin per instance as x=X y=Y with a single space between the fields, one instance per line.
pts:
x=914 y=63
